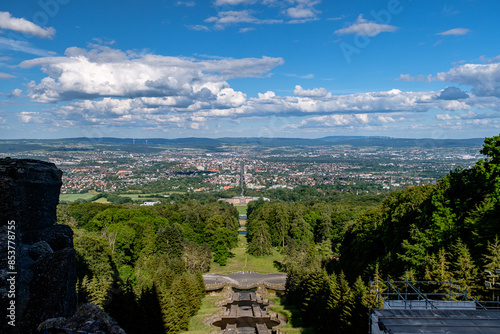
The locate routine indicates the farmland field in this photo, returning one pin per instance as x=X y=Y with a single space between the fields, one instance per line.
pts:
x=74 y=197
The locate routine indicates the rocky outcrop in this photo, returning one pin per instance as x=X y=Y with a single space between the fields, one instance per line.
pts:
x=37 y=259
x=89 y=319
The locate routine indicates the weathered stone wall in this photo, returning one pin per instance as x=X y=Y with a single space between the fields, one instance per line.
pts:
x=45 y=264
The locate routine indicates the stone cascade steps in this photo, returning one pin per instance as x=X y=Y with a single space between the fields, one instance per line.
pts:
x=244 y=312
x=261 y=329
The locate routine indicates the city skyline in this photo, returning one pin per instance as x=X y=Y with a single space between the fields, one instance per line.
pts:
x=249 y=68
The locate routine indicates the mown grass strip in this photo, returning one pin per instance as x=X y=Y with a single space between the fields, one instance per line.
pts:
x=208 y=307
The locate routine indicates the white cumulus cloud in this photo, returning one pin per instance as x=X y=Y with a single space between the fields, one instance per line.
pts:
x=108 y=87
x=24 y=26
x=483 y=78
x=316 y=92
x=364 y=27
x=300 y=12
x=454 y=32
x=6 y=75
x=16 y=93
x=226 y=18
x=106 y=72
x=234 y=2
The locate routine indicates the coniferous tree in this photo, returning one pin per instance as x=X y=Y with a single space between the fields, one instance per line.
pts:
x=443 y=218
x=170 y=312
x=125 y=310
x=376 y=288
x=324 y=227
x=149 y=312
x=438 y=267
x=99 y=290
x=169 y=241
x=331 y=315
x=464 y=269
x=193 y=300
x=279 y=224
x=221 y=252
x=415 y=250
x=345 y=302
x=312 y=299
x=95 y=268
x=492 y=258
x=260 y=243
x=201 y=285
x=359 y=318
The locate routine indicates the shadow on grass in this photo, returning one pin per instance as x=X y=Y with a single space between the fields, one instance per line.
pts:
x=137 y=315
x=278 y=265
x=296 y=319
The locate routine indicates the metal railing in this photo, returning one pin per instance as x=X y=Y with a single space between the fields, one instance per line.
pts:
x=409 y=295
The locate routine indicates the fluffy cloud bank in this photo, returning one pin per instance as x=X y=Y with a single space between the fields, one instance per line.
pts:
x=104 y=86
x=106 y=72
x=483 y=78
x=182 y=111
x=290 y=11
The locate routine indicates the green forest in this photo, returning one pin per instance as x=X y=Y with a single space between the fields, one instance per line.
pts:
x=144 y=265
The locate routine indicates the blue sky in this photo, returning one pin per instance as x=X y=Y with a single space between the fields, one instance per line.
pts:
x=241 y=68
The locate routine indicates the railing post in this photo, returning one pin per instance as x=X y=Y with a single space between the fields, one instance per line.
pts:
x=369 y=305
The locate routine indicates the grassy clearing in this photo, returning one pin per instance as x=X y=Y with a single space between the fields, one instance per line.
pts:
x=136 y=196
x=102 y=200
x=264 y=264
x=289 y=328
x=74 y=197
x=196 y=325
x=144 y=197
x=245 y=262
x=242 y=209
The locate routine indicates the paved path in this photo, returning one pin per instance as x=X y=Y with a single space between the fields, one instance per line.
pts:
x=245 y=278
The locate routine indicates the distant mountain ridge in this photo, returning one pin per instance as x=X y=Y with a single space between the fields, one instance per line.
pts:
x=213 y=143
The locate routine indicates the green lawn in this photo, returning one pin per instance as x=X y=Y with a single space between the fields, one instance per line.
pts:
x=245 y=262
x=102 y=200
x=196 y=325
x=288 y=328
x=74 y=197
x=242 y=209
x=147 y=197
x=135 y=197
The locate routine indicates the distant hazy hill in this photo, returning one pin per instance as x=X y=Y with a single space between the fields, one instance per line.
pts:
x=404 y=142
x=152 y=144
